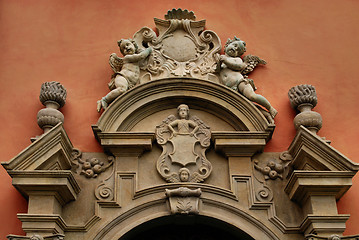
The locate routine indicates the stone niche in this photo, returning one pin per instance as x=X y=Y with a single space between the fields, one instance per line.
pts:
x=182 y=152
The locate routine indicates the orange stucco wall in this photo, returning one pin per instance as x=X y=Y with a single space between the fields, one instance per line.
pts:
x=306 y=41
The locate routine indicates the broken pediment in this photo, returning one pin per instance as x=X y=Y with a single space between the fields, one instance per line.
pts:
x=311 y=152
x=51 y=151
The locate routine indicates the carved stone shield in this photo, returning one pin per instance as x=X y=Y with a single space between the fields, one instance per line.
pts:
x=183 y=157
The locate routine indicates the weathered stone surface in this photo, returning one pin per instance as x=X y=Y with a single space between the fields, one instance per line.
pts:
x=205 y=166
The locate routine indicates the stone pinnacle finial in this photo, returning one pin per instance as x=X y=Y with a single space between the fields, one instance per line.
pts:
x=303 y=98
x=53 y=97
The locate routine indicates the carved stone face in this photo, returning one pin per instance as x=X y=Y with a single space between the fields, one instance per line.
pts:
x=184 y=176
x=183 y=113
x=127 y=47
x=235 y=49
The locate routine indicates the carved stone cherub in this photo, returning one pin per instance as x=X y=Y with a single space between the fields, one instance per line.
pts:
x=183 y=124
x=127 y=70
x=233 y=70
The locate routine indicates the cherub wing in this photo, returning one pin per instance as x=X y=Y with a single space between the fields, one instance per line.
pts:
x=252 y=62
x=196 y=177
x=173 y=178
x=203 y=133
x=163 y=133
x=116 y=62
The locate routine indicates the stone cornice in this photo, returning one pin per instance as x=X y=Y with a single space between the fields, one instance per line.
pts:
x=51 y=151
x=126 y=143
x=60 y=184
x=305 y=183
x=157 y=95
x=310 y=152
x=240 y=143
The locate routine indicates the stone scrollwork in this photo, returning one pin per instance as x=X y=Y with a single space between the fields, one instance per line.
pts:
x=76 y=155
x=264 y=194
x=182 y=49
x=184 y=200
x=104 y=192
x=184 y=142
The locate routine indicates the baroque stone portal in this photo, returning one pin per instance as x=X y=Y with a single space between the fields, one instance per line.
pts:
x=184 y=142
x=182 y=168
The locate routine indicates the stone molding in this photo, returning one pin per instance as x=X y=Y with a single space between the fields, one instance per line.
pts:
x=311 y=152
x=60 y=184
x=303 y=184
x=240 y=143
x=158 y=95
x=52 y=151
x=125 y=143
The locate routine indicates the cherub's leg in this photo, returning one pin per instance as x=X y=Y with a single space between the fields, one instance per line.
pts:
x=121 y=87
x=247 y=90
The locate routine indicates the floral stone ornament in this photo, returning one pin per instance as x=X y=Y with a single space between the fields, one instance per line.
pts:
x=184 y=142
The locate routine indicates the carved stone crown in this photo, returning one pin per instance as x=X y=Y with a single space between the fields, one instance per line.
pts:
x=180 y=14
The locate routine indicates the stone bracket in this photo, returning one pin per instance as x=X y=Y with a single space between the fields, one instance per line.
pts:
x=324 y=224
x=303 y=184
x=42 y=223
x=240 y=143
x=184 y=200
x=126 y=143
x=61 y=184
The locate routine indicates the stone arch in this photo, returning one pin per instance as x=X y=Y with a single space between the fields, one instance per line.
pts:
x=140 y=218
x=186 y=227
x=143 y=100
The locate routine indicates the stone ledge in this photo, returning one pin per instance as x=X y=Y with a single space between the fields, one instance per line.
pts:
x=60 y=184
x=42 y=223
x=240 y=143
x=126 y=143
x=305 y=183
x=318 y=224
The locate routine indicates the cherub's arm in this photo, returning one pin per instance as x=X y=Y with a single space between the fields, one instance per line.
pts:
x=138 y=56
x=195 y=127
x=235 y=64
x=171 y=125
